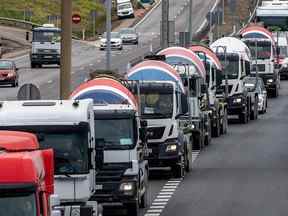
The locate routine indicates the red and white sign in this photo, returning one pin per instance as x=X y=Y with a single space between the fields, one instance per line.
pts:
x=76 y=18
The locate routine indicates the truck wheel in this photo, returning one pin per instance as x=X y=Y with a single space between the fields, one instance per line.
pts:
x=196 y=142
x=243 y=117
x=179 y=169
x=216 y=129
x=188 y=164
x=224 y=125
x=143 y=200
x=33 y=65
x=133 y=209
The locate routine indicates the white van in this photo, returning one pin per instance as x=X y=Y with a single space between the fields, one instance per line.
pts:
x=125 y=8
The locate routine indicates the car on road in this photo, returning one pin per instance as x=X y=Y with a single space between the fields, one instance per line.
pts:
x=8 y=73
x=284 y=69
x=258 y=86
x=116 y=41
x=129 y=36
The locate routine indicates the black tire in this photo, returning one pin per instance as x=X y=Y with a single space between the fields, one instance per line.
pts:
x=275 y=92
x=179 y=169
x=216 y=131
x=254 y=112
x=224 y=125
x=133 y=209
x=143 y=200
x=188 y=164
x=33 y=65
x=196 y=142
x=243 y=117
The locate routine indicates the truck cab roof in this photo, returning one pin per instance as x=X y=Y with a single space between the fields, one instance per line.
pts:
x=18 y=162
x=47 y=112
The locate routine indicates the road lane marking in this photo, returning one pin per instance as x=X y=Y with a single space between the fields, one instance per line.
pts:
x=166 y=193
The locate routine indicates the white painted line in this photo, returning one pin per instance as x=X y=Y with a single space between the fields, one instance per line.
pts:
x=151 y=214
x=161 y=200
x=157 y=207
x=155 y=210
x=164 y=197
x=168 y=190
x=50 y=81
x=172 y=184
x=166 y=193
x=170 y=187
x=159 y=203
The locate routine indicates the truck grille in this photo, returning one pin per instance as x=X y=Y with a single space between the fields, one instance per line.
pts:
x=110 y=176
x=156 y=132
x=46 y=51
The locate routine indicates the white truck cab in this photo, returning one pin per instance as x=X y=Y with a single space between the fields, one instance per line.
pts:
x=45 y=45
x=236 y=58
x=125 y=8
x=68 y=128
x=263 y=50
x=162 y=104
x=122 y=171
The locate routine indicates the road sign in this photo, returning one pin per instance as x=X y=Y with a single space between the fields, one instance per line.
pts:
x=76 y=18
x=29 y=92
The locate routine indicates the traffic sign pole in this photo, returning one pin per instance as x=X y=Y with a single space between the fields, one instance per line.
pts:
x=66 y=48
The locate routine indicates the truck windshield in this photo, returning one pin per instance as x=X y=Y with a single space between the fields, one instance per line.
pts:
x=6 y=65
x=70 y=144
x=115 y=133
x=157 y=104
x=232 y=68
x=17 y=204
x=264 y=49
x=46 y=36
x=124 y=6
x=279 y=23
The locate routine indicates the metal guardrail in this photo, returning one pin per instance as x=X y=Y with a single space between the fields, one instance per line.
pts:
x=18 y=23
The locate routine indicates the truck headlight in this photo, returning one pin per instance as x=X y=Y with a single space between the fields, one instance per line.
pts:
x=270 y=81
x=171 y=148
x=237 y=100
x=127 y=188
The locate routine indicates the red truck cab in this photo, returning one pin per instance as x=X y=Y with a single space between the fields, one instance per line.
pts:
x=26 y=176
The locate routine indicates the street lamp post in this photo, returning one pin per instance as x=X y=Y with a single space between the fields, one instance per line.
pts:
x=66 y=47
x=190 y=22
x=223 y=17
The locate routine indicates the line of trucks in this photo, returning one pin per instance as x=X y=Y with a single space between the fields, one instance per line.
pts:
x=115 y=129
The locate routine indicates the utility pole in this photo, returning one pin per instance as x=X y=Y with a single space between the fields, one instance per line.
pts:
x=190 y=28
x=165 y=24
x=66 y=47
x=223 y=15
x=108 y=34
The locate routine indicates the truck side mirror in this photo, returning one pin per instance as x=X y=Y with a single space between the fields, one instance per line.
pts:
x=278 y=50
x=184 y=104
x=203 y=88
x=143 y=135
x=143 y=124
x=219 y=78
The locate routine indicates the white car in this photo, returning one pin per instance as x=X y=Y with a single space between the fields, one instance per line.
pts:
x=116 y=41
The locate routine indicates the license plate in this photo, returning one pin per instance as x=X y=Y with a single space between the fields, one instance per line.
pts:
x=99 y=187
x=48 y=57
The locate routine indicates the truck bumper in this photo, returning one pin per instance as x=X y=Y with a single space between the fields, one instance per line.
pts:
x=159 y=158
x=45 y=59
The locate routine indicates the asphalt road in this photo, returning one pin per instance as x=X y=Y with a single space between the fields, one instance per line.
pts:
x=243 y=173
x=86 y=58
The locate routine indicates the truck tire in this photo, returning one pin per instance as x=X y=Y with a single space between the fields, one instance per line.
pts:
x=244 y=117
x=33 y=65
x=224 y=125
x=275 y=92
x=178 y=170
x=216 y=130
x=254 y=112
x=143 y=200
x=133 y=209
